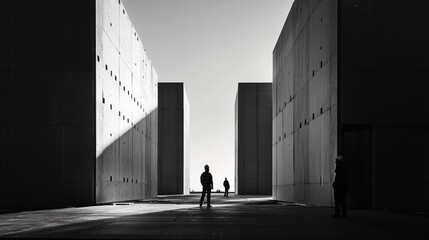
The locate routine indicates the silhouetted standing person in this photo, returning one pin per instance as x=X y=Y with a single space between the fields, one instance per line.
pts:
x=226 y=185
x=340 y=188
x=207 y=182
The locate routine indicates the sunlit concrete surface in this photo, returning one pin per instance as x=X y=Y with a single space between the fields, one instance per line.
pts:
x=242 y=217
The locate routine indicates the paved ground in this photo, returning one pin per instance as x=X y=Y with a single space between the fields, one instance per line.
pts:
x=179 y=217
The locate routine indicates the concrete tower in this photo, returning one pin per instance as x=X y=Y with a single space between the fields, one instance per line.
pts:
x=253 y=156
x=78 y=105
x=350 y=79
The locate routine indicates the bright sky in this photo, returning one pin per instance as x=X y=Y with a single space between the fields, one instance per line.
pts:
x=211 y=46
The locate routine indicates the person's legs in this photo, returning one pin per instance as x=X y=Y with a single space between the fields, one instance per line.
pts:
x=343 y=205
x=337 y=203
x=208 y=197
x=227 y=190
x=225 y=193
x=203 y=194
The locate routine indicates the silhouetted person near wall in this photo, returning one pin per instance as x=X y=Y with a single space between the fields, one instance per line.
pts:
x=340 y=188
x=226 y=185
x=207 y=182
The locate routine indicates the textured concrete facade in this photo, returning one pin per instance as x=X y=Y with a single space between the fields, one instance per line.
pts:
x=253 y=155
x=304 y=104
x=60 y=144
x=126 y=109
x=347 y=82
x=173 y=139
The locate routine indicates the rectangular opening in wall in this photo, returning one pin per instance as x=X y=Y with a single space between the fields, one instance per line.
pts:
x=110 y=178
x=98 y=58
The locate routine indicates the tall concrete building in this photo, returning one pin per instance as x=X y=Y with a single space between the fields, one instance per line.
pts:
x=253 y=155
x=173 y=139
x=349 y=78
x=78 y=105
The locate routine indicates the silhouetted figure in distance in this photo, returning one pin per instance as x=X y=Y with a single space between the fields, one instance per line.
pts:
x=340 y=188
x=207 y=182
x=226 y=185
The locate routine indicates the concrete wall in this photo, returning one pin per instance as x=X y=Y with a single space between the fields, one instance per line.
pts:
x=173 y=141
x=382 y=122
x=47 y=103
x=126 y=109
x=253 y=126
x=304 y=103
x=383 y=91
x=62 y=140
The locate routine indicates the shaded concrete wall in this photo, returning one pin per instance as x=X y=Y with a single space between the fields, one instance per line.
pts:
x=47 y=125
x=253 y=156
x=126 y=109
x=383 y=91
x=304 y=103
x=173 y=141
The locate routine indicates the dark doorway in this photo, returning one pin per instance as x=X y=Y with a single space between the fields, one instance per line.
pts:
x=357 y=151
